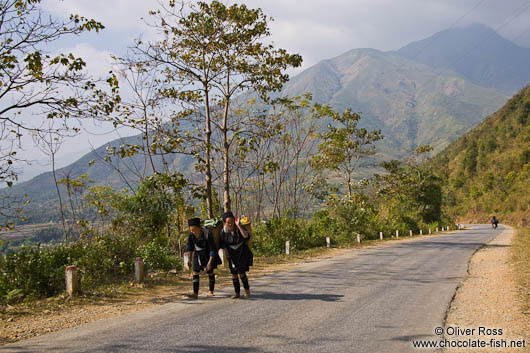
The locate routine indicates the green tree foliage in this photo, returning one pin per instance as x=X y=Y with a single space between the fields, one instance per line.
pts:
x=411 y=194
x=470 y=158
x=32 y=78
x=344 y=146
x=146 y=214
x=208 y=53
x=34 y=82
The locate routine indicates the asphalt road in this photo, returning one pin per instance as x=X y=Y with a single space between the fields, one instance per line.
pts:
x=374 y=300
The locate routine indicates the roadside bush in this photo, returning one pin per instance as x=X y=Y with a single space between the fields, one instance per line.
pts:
x=157 y=256
x=270 y=238
x=103 y=259
x=34 y=271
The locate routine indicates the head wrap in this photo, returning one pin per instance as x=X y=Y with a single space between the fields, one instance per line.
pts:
x=227 y=215
x=194 y=222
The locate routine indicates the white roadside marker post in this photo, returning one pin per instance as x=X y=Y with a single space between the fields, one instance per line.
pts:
x=380 y=235
x=397 y=233
x=287 y=248
x=410 y=232
x=328 y=242
x=358 y=238
x=72 y=285
x=139 y=272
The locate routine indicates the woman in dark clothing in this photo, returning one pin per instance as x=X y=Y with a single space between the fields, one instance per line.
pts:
x=205 y=256
x=234 y=238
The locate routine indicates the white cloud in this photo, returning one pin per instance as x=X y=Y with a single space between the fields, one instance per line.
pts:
x=99 y=62
x=117 y=15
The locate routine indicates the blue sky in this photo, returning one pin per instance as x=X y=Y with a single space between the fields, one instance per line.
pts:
x=315 y=29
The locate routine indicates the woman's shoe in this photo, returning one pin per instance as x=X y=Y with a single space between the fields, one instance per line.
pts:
x=235 y=296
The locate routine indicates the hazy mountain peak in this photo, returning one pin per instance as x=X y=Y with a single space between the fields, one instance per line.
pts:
x=478 y=53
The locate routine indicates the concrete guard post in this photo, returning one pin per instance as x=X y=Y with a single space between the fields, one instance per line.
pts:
x=287 y=248
x=410 y=232
x=224 y=260
x=436 y=230
x=380 y=235
x=139 y=270
x=328 y=242
x=186 y=261
x=421 y=231
x=397 y=233
x=72 y=283
x=430 y=232
x=358 y=238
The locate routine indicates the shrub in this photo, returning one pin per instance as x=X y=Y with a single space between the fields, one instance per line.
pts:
x=270 y=238
x=157 y=256
x=34 y=271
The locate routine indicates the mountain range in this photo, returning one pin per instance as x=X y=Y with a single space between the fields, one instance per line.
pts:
x=476 y=52
x=419 y=94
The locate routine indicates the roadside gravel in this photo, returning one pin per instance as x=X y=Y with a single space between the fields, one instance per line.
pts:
x=489 y=298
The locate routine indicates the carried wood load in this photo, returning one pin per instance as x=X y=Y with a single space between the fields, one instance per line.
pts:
x=215 y=225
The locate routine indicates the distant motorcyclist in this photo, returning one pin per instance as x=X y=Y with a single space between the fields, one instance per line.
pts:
x=494 y=222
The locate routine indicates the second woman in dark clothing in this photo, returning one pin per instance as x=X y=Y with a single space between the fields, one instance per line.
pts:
x=234 y=238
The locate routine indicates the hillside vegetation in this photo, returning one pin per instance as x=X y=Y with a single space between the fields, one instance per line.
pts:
x=487 y=171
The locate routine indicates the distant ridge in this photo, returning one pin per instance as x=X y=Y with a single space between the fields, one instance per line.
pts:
x=409 y=101
x=476 y=52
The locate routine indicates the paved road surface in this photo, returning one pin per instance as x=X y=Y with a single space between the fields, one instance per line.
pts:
x=374 y=300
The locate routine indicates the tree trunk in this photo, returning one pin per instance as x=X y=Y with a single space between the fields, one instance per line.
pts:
x=226 y=154
x=349 y=187
x=147 y=143
x=208 y=138
x=60 y=199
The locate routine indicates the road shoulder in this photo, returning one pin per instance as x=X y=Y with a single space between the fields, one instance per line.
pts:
x=489 y=298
